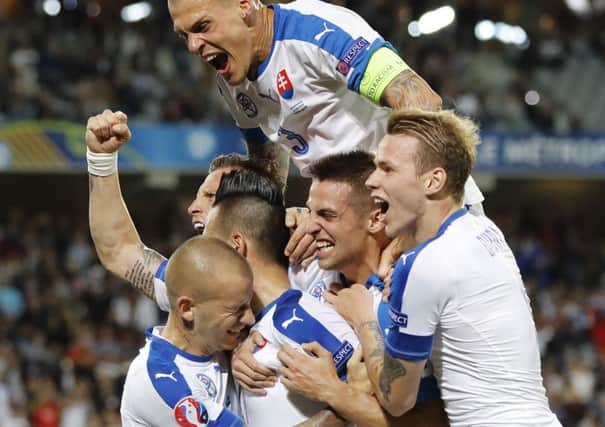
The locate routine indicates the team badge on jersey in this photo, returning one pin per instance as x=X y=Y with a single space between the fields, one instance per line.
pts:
x=317 y=290
x=246 y=103
x=190 y=412
x=284 y=85
x=208 y=384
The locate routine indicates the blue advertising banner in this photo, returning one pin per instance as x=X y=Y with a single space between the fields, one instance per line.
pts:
x=47 y=146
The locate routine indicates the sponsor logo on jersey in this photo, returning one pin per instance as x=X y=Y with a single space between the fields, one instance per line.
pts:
x=284 y=85
x=322 y=33
x=344 y=65
x=208 y=384
x=292 y=319
x=247 y=105
x=190 y=412
x=162 y=375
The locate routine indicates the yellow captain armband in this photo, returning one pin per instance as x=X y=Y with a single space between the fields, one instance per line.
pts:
x=383 y=66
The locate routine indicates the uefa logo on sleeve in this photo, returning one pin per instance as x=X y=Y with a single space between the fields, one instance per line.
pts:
x=190 y=412
x=284 y=85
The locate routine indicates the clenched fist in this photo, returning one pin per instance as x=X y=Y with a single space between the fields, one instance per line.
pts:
x=107 y=132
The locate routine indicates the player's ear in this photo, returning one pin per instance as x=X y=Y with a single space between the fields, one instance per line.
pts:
x=184 y=305
x=246 y=7
x=239 y=243
x=434 y=180
x=374 y=223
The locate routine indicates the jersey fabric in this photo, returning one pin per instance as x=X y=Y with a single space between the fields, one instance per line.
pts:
x=166 y=386
x=312 y=279
x=295 y=318
x=459 y=299
x=306 y=95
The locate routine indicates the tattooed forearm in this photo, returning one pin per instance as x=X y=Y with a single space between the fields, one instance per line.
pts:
x=408 y=90
x=90 y=183
x=390 y=368
x=141 y=273
x=374 y=327
x=274 y=158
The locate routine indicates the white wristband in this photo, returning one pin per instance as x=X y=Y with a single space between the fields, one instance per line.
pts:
x=102 y=164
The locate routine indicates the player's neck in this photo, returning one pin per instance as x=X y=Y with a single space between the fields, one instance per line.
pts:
x=263 y=36
x=181 y=338
x=435 y=215
x=270 y=281
x=367 y=263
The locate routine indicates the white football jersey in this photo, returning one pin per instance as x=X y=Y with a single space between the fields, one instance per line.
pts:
x=459 y=300
x=166 y=386
x=306 y=95
x=295 y=318
x=312 y=279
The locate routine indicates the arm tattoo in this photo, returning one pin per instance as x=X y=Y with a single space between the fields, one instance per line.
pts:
x=274 y=158
x=408 y=90
x=140 y=275
x=90 y=183
x=391 y=368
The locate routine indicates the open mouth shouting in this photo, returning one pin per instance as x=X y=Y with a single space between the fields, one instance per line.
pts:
x=381 y=204
x=220 y=62
x=198 y=226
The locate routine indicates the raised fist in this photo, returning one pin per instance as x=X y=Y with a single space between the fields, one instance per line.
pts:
x=107 y=132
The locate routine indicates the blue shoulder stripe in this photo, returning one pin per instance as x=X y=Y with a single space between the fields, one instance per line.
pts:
x=403 y=266
x=292 y=25
x=399 y=344
x=165 y=376
x=292 y=320
x=161 y=271
x=227 y=419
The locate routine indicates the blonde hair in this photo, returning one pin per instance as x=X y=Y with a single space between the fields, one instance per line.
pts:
x=446 y=140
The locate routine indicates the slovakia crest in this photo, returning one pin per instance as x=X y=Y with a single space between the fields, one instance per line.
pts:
x=284 y=85
x=208 y=385
x=190 y=412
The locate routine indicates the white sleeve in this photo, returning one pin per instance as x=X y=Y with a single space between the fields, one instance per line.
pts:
x=130 y=421
x=340 y=42
x=159 y=285
x=420 y=287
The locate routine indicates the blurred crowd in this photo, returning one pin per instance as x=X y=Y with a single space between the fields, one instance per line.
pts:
x=69 y=329
x=86 y=58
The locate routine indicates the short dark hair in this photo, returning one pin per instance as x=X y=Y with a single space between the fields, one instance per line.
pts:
x=253 y=204
x=265 y=167
x=353 y=168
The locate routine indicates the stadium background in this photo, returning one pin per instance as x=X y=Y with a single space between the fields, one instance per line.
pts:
x=531 y=73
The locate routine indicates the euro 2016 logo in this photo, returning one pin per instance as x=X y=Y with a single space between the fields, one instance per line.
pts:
x=190 y=412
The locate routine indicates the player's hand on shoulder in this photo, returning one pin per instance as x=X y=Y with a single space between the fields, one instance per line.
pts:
x=248 y=373
x=301 y=248
x=354 y=303
x=107 y=132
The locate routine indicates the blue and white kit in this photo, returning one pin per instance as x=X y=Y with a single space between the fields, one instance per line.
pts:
x=166 y=386
x=458 y=299
x=306 y=96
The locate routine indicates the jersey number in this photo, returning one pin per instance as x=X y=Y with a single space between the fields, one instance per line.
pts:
x=300 y=146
